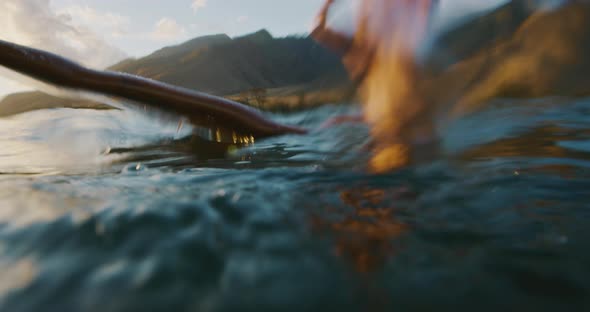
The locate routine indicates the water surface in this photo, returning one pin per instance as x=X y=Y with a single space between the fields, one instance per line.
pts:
x=115 y=211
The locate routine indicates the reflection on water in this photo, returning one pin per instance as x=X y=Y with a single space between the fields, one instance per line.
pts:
x=542 y=141
x=109 y=211
x=365 y=234
x=68 y=141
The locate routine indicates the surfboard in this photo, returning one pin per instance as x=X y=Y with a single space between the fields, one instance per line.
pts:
x=200 y=108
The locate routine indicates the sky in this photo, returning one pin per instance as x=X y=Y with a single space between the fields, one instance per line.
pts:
x=98 y=33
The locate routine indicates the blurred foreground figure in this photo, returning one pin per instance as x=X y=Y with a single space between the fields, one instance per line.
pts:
x=381 y=57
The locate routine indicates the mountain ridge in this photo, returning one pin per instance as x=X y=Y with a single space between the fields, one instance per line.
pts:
x=221 y=65
x=510 y=51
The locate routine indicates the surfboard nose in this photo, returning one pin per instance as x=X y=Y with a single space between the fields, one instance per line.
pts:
x=201 y=108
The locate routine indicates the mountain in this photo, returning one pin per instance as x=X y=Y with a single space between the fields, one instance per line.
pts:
x=542 y=53
x=220 y=65
x=223 y=66
x=29 y=101
x=477 y=33
x=512 y=51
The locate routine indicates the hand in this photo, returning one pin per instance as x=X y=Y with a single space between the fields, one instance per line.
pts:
x=327 y=5
x=323 y=15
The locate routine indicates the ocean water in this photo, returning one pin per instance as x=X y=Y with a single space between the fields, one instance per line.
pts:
x=116 y=211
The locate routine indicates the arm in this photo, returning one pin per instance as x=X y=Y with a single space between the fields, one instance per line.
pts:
x=333 y=40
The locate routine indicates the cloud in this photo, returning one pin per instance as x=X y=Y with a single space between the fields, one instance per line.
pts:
x=242 y=19
x=106 y=23
x=198 y=4
x=167 y=29
x=35 y=23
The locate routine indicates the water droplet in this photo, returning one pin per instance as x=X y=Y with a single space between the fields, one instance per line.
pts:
x=134 y=168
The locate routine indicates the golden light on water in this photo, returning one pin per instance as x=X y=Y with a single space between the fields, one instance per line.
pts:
x=16 y=275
